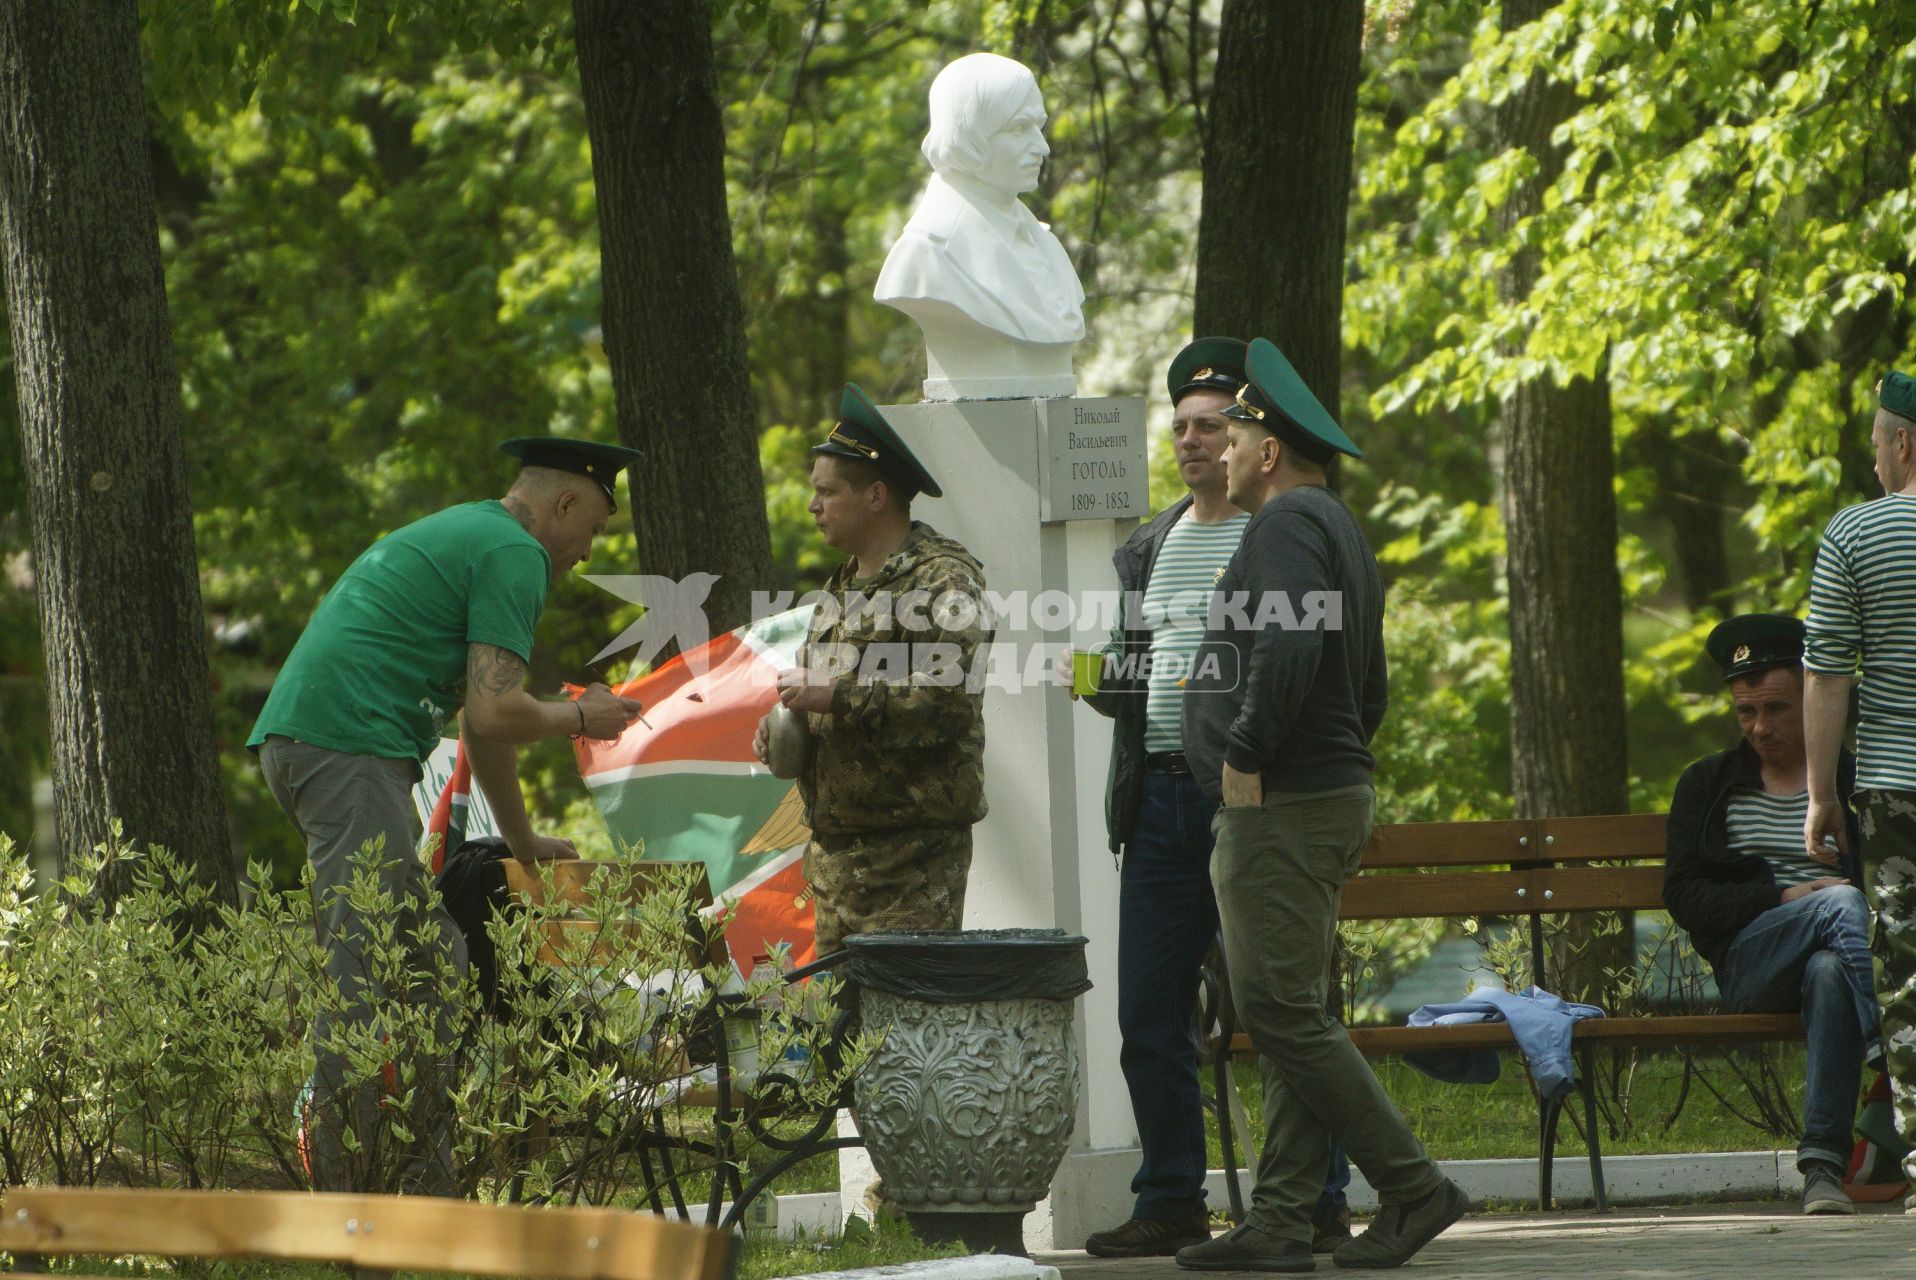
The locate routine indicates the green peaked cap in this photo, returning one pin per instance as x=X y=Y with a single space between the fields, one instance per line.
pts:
x=1217 y=363
x=600 y=463
x=1275 y=388
x=1754 y=642
x=861 y=432
x=1897 y=393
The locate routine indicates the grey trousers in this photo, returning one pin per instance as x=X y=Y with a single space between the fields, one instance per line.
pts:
x=1279 y=870
x=338 y=803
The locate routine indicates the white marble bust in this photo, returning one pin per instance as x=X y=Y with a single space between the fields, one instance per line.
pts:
x=990 y=286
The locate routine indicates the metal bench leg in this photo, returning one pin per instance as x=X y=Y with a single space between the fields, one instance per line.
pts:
x=1225 y=1091
x=1547 y=1114
x=1589 y=1087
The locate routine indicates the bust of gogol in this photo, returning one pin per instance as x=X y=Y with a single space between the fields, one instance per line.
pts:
x=992 y=289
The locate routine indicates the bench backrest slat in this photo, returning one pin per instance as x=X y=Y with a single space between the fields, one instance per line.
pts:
x=1629 y=837
x=382 y=1233
x=1502 y=893
x=1632 y=837
x=1445 y=844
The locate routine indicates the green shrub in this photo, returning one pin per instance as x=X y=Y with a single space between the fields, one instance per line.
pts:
x=163 y=1041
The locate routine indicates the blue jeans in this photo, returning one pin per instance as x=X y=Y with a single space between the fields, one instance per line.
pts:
x=1813 y=955
x=1167 y=920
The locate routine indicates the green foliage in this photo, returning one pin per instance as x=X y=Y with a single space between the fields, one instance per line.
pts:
x=134 y=1053
x=380 y=237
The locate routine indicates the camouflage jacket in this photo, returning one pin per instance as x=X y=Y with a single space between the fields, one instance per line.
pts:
x=903 y=747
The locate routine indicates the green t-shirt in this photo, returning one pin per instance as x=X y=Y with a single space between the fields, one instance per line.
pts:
x=381 y=667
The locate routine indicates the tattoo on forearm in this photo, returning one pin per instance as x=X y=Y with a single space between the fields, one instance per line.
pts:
x=520 y=511
x=491 y=671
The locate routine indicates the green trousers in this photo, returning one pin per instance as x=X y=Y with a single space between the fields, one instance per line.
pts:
x=1279 y=869
x=1888 y=823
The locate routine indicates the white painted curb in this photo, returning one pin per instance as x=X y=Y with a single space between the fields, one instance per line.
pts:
x=1756 y=1175
x=814 y=1213
x=985 y=1266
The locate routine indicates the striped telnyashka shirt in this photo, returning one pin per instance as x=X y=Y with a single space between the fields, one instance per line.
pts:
x=1176 y=603
x=1771 y=828
x=1863 y=607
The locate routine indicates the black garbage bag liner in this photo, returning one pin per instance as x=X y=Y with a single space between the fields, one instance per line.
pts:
x=958 y=966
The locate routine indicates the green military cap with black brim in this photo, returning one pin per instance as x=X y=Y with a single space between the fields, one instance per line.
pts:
x=1897 y=393
x=599 y=463
x=1276 y=399
x=1752 y=643
x=861 y=433
x=1216 y=364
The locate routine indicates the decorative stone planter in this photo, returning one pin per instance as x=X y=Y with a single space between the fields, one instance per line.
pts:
x=968 y=1105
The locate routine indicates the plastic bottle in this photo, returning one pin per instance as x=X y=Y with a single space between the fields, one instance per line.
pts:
x=765 y=973
x=761 y=1216
x=740 y=1028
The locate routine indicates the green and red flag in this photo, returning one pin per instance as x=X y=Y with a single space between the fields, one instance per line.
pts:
x=688 y=788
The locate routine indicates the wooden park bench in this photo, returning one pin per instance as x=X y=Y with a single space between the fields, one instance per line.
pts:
x=369 y=1234
x=1514 y=869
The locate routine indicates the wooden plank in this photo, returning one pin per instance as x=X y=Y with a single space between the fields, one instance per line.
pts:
x=1630 y=837
x=597 y=943
x=633 y=880
x=1701 y=1028
x=1440 y=893
x=1448 y=844
x=1596 y=889
x=384 y=1233
x=1502 y=893
x=1672 y=1030
x=628 y=882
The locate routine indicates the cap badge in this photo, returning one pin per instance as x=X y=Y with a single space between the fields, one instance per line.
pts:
x=1742 y=654
x=839 y=436
x=1203 y=373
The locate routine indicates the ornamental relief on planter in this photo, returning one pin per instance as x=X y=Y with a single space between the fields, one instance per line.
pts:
x=968 y=1106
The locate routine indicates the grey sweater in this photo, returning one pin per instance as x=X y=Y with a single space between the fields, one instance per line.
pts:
x=1290 y=682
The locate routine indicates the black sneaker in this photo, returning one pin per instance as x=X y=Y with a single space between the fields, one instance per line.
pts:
x=1330 y=1229
x=1400 y=1230
x=1148 y=1237
x=1245 y=1248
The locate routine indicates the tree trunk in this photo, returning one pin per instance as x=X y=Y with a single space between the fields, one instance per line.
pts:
x=1567 y=744
x=113 y=552
x=674 y=330
x=1277 y=178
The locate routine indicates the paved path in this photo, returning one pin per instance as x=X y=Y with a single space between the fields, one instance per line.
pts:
x=1743 y=1241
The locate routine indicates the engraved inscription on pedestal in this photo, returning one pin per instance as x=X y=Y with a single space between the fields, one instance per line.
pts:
x=1091 y=460
x=968 y=1108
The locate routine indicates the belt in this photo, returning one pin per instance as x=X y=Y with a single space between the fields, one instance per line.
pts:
x=1171 y=762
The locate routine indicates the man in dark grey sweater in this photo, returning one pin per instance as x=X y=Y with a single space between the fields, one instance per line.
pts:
x=1286 y=692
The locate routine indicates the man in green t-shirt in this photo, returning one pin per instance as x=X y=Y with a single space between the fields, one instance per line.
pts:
x=434 y=615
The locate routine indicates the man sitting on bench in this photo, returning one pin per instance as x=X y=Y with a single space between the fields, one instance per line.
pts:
x=1783 y=931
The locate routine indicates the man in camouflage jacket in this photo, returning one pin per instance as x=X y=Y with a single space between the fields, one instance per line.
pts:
x=890 y=688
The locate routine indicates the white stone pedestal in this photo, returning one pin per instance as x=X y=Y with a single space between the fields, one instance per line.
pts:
x=1041 y=857
x=966 y=361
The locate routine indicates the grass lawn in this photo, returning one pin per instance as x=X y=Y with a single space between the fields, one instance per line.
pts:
x=1476 y=1122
